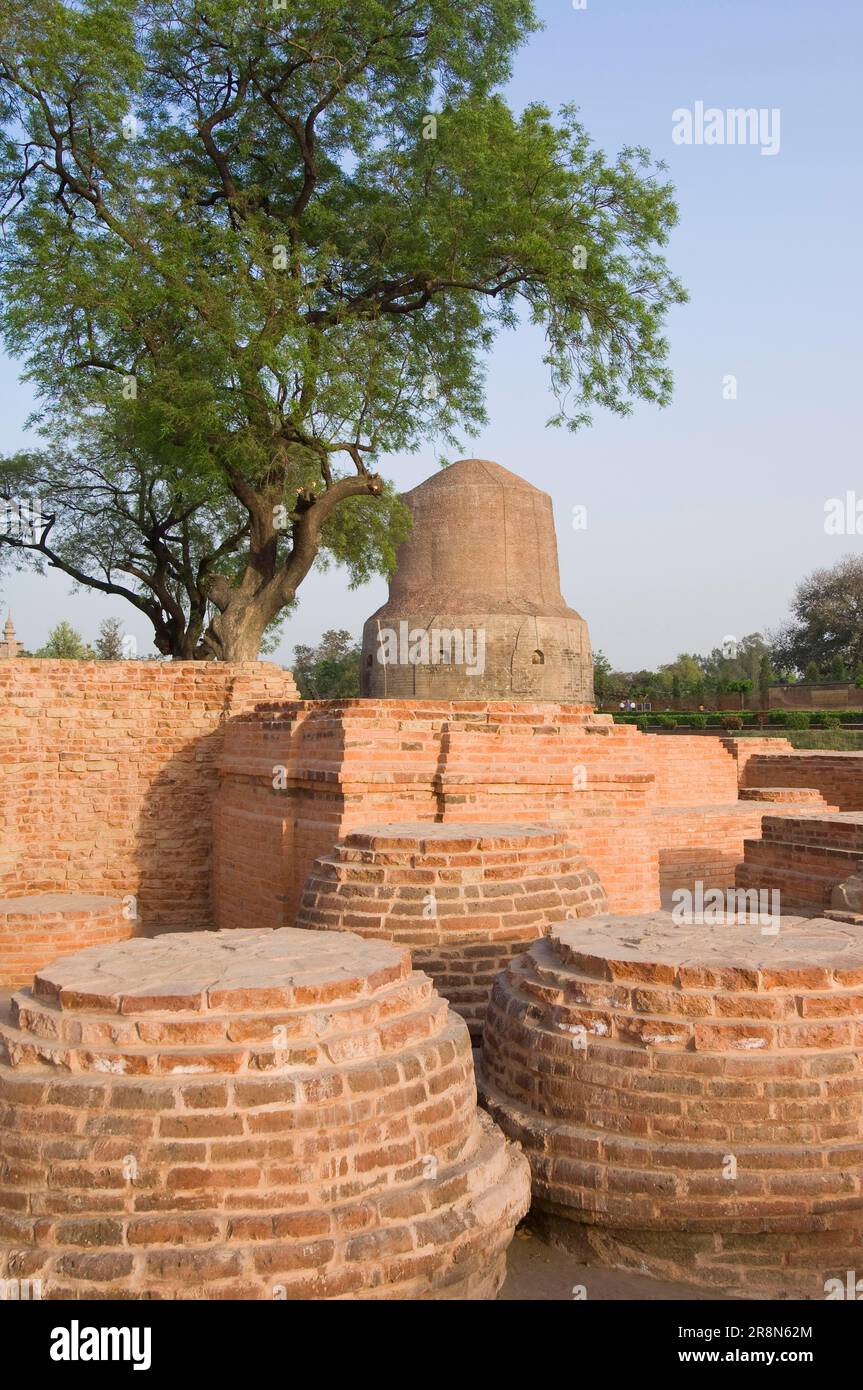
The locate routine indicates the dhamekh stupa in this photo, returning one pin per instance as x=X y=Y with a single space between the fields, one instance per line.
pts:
x=476 y=597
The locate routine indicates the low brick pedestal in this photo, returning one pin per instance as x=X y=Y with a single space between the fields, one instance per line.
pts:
x=465 y=898
x=38 y=927
x=251 y=1115
x=690 y=1098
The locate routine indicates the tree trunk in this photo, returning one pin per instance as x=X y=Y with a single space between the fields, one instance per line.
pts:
x=235 y=634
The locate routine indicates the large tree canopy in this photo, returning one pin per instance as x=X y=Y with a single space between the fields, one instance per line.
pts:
x=249 y=249
x=826 y=624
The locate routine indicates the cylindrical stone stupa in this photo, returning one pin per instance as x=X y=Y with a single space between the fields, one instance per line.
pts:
x=475 y=610
x=248 y=1115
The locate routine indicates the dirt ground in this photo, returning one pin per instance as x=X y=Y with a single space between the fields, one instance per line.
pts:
x=537 y=1273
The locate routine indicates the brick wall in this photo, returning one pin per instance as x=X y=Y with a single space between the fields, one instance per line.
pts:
x=108 y=772
x=358 y=763
x=643 y=809
x=837 y=776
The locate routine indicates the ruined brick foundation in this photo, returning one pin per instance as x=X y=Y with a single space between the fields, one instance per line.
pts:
x=689 y=1098
x=248 y=1115
x=465 y=899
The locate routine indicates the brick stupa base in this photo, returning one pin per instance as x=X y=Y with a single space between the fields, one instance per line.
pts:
x=689 y=1098
x=249 y=1115
x=38 y=927
x=465 y=898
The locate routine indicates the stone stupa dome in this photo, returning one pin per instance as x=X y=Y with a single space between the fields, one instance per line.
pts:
x=480 y=570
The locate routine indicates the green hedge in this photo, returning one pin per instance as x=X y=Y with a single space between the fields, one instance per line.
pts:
x=742 y=719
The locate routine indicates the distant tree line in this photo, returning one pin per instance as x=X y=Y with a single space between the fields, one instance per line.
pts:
x=822 y=640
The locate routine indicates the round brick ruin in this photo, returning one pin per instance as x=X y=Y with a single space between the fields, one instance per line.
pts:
x=465 y=898
x=248 y=1115
x=38 y=927
x=689 y=1097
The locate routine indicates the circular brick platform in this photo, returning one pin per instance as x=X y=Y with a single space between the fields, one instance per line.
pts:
x=38 y=927
x=690 y=1098
x=465 y=898
x=251 y=1115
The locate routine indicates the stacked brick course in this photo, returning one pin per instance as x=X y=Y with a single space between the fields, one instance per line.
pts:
x=838 y=776
x=804 y=857
x=650 y=813
x=250 y=1115
x=108 y=773
x=690 y=1099
x=465 y=899
x=36 y=928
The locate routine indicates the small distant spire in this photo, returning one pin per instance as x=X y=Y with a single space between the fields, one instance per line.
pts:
x=10 y=646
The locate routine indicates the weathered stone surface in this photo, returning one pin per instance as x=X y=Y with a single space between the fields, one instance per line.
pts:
x=250 y=1115
x=848 y=895
x=690 y=1098
x=482 y=556
x=465 y=898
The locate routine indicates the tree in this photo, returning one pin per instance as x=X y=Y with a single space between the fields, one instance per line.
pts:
x=826 y=619
x=838 y=671
x=248 y=251
x=765 y=679
x=331 y=670
x=601 y=676
x=66 y=644
x=734 y=661
x=812 y=675
x=109 y=643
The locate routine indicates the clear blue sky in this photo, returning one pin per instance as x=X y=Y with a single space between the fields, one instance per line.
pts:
x=701 y=517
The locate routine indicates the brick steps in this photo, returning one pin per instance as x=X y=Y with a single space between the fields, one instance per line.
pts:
x=790 y=796
x=838 y=776
x=805 y=857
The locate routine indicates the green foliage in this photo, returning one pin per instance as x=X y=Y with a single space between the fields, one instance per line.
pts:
x=330 y=670
x=273 y=279
x=812 y=675
x=798 y=719
x=838 y=671
x=765 y=676
x=602 y=683
x=826 y=622
x=825 y=719
x=109 y=643
x=65 y=644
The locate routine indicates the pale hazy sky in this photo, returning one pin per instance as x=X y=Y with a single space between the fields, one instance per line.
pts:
x=701 y=517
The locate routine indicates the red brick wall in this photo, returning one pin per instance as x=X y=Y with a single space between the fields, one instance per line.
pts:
x=692 y=770
x=354 y=764
x=838 y=776
x=108 y=773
